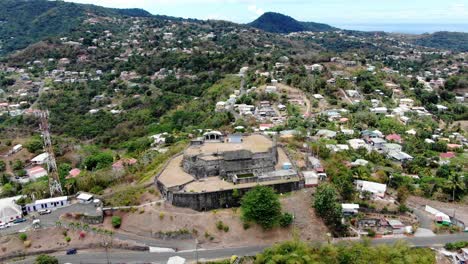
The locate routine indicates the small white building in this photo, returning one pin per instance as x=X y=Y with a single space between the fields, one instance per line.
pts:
x=9 y=210
x=376 y=189
x=357 y=143
x=270 y=89
x=311 y=178
x=350 y=209
x=50 y=203
x=40 y=159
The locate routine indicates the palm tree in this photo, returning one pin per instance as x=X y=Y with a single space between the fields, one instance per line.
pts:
x=456 y=184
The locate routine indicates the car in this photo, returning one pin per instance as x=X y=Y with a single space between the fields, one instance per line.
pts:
x=19 y=220
x=71 y=251
x=3 y=226
x=44 y=212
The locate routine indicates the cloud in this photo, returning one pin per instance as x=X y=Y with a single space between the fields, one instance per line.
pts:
x=254 y=9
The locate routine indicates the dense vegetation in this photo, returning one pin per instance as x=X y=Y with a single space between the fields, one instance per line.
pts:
x=355 y=253
x=279 y=23
x=25 y=22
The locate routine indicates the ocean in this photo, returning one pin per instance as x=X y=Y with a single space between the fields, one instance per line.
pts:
x=406 y=28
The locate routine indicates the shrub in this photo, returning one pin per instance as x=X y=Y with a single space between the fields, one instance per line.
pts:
x=27 y=243
x=246 y=225
x=220 y=225
x=44 y=259
x=370 y=233
x=456 y=245
x=64 y=233
x=68 y=239
x=262 y=206
x=226 y=228
x=23 y=236
x=286 y=220
x=161 y=216
x=116 y=221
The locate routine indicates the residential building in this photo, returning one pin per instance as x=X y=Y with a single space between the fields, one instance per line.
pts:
x=50 y=203
x=376 y=189
x=9 y=209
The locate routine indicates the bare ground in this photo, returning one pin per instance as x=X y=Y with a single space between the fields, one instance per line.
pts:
x=165 y=218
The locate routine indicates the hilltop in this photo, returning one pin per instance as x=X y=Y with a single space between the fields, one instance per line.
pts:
x=444 y=40
x=279 y=23
x=25 y=22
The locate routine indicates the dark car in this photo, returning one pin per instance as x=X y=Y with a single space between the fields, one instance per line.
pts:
x=71 y=251
x=19 y=220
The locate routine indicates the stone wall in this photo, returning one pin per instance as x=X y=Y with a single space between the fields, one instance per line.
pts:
x=223 y=198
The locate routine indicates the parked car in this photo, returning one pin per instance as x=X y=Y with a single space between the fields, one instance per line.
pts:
x=3 y=226
x=19 y=220
x=71 y=251
x=44 y=212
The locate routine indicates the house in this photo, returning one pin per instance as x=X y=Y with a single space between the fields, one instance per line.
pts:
x=357 y=143
x=263 y=127
x=311 y=178
x=50 y=203
x=350 y=209
x=40 y=159
x=36 y=172
x=73 y=173
x=394 y=137
x=399 y=156
x=447 y=155
x=397 y=226
x=85 y=198
x=121 y=164
x=270 y=89
x=359 y=162
x=388 y=147
x=16 y=148
x=315 y=164
x=10 y=210
x=377 y=143
x=376 y=189
x=325 y=133
x=379 y=110
x=348 y=132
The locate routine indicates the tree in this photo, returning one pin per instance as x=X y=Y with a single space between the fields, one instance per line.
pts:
x=262 y=206
x=286 y=220
x=2 y=166
x=116 y=221
x=45 y=259
x=34 y=145
x=327 y=206
x=402 y=194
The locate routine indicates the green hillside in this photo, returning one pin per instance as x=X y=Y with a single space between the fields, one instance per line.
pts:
x=279 y=23
x=25 y=22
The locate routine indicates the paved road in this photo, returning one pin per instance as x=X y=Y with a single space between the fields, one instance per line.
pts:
x=146 y=257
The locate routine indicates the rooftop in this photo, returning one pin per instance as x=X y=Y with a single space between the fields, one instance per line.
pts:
x=254 y=143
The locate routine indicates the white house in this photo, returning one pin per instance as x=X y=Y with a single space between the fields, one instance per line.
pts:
x=376 y=189
x=40 y=159
x=311 y=178
x=36 y=172
x=357 y=143
x=9 y=210
x=350 y=209
x=50 y=203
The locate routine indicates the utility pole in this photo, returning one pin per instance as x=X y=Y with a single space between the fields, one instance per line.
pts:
x=54 y=181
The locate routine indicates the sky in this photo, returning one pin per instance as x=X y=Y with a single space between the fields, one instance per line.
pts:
x=334 y=12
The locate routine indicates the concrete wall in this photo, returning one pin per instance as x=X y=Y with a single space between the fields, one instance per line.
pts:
x=223 y=198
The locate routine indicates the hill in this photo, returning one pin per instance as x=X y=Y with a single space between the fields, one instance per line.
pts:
x=279 y=23
x=457 y=41
x=25 y=22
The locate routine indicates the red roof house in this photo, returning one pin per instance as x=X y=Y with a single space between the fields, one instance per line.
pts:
x=447 y=155
x=394 y=137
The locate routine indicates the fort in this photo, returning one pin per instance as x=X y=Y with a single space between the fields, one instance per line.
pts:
x=216 y=170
